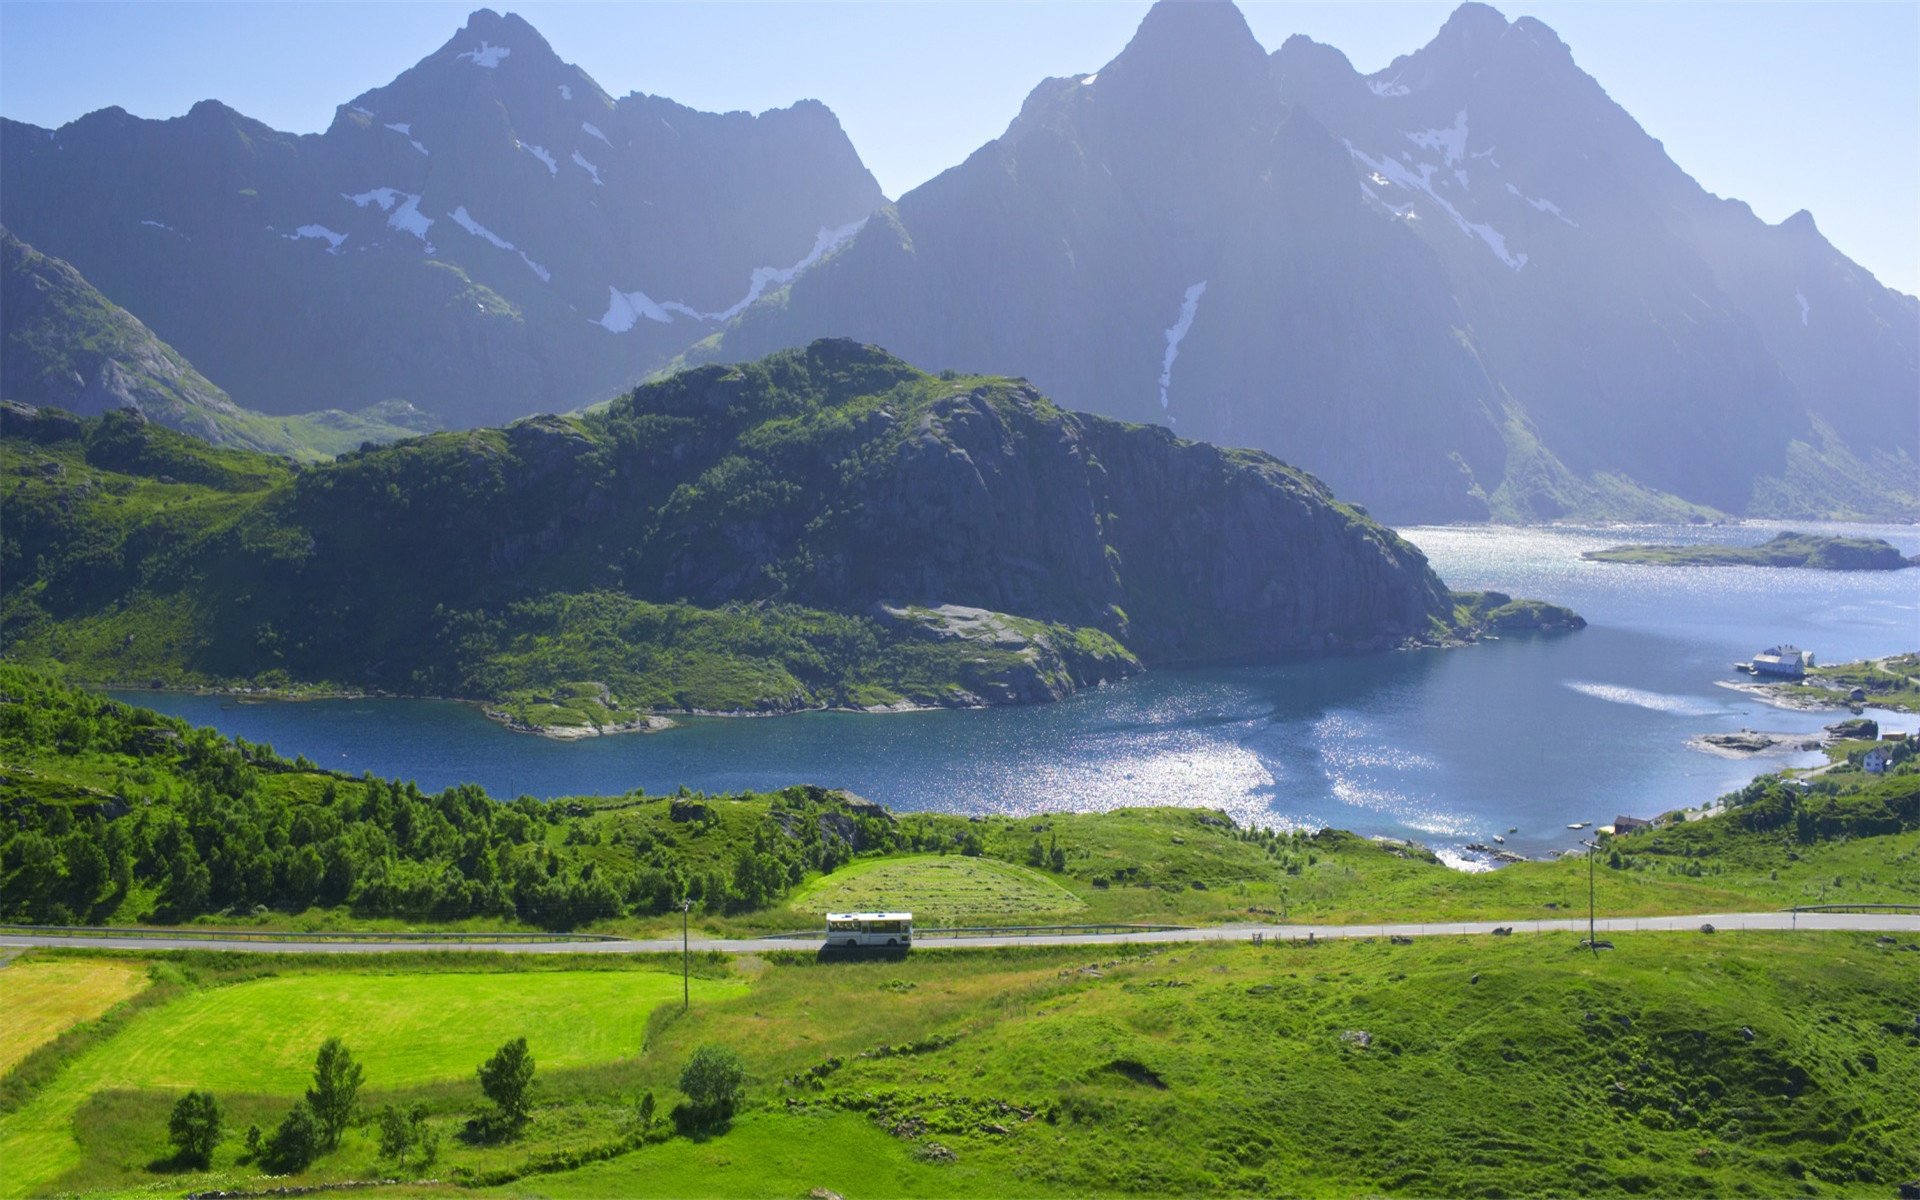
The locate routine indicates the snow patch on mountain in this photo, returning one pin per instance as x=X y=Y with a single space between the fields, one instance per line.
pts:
x=566 y=93
x=1088 y=80
x=824 y=243
x=465 y=220
x=488 y=55
x=580 y=161
x=1421 y=181
x=1450 y=142
x=320 y=233
x=625 y=308
x=545 y=275
x=161 y=225
x=365 y=112
x=540 y=152
x=402 y=209
x=1545 y=206
x=592 y=130
x=405 y=130
x=1177 y=333
x=1805 y=308
x=1388 y=87
x=386 y=198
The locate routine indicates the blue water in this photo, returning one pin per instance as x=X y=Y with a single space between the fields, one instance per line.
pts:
x=1446 y=747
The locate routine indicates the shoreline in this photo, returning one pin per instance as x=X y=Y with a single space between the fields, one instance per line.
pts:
x=646 y=722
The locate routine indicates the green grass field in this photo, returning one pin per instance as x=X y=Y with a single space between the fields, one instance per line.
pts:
x=41 y=1000
x=258 y=1037
x=937 y=890
x=1737 y=1064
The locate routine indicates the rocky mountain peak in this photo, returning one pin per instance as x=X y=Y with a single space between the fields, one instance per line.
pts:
x=1189 y=43
x=1304 y=63
x=1472 y=27
x=491 y=40
x=1801 y=224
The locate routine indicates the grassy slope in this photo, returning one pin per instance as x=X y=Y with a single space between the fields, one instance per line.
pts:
x=1495 y=1066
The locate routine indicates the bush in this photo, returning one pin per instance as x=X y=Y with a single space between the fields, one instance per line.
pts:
x=194 y=1129
x=295 y=1143
x=714 y=1083
x=404 y=1133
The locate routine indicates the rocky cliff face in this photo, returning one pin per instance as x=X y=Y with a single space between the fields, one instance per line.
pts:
x=1468 y=285
x=980 y=492
x=489 y=235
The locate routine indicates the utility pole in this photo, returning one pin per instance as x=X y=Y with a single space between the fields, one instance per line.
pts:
x=1591 y=935
x=686 y=957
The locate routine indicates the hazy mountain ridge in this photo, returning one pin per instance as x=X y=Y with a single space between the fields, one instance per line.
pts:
x=827 y=526
x=488 y=235
x=1466 y=286
x=67 y=346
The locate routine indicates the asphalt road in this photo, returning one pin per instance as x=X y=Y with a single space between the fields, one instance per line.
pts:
x=1894 y=923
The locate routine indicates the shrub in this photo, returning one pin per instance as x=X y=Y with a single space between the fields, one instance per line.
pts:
x=295 y=1143
x=714 y=1083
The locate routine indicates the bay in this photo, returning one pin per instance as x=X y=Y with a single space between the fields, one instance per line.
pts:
x=1446 y=747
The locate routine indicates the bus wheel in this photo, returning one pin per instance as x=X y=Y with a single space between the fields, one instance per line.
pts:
x=893 y=941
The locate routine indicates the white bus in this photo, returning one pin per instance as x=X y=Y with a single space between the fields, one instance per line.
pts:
x=870 y=929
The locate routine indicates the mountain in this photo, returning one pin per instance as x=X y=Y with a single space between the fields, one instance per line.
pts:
x=1469 y=285
x=491 y=234
x=828 y=526
x=67 y=346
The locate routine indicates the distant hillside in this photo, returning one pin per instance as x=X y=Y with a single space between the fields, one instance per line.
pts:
x=64 y=344
x=488 y=235
x=826 y=527
x=1466 y=286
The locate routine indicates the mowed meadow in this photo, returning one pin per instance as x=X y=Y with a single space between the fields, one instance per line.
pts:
x=1731 y=1064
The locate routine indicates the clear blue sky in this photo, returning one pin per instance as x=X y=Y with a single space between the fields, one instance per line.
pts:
x=1784 y=105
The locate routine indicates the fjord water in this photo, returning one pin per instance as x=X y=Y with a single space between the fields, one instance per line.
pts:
x=1446 y=747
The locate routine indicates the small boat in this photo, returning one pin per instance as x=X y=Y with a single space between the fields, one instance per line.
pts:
x=1579 y=824
x=1498 y=840
x=1513 y=829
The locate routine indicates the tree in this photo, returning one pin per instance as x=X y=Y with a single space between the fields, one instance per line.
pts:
x=506 y=1078
x=194 y=1128
x=645 y=1111
x=335 y=1091
x=425 y=1137
x=714 y=1083
x=396 y=1134
x=295 y=1143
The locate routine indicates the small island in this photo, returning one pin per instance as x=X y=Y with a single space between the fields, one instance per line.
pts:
x=1782 y=550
